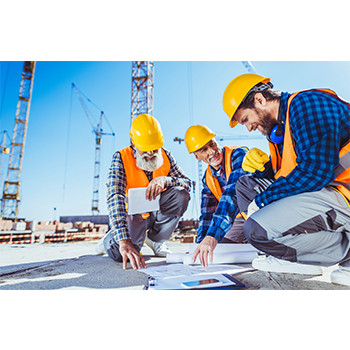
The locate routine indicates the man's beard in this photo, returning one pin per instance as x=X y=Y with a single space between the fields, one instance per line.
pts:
x=266 y=121
x=149 y=164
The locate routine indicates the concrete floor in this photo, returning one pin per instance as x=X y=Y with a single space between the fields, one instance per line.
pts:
x=77 y=266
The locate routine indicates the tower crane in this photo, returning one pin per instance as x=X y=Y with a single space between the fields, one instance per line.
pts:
x=3 y=150
x=98 y=145
x=249 y=67
x=142 y=88
x=10 y=198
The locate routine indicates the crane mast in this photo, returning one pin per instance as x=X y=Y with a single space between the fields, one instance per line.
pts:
x=142 y=88
x=10 y=198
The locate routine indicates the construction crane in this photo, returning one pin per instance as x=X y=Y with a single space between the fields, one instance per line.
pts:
x=3 y=150
x=98 y=131
x=220 y=138
x=10 y=198
x=249 y=67
x=142 y=88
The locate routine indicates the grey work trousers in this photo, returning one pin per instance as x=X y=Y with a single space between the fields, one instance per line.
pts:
x=160 y=224
x=309 y=228
x=236 y=232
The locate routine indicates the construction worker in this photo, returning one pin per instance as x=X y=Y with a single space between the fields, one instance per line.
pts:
x=145 y=163
x=218 y=220
x=300 y=218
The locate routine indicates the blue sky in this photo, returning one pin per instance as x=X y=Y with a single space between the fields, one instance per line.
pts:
x=54 y=176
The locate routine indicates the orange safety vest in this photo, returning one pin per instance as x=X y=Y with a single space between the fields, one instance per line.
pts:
x=211 y=181
x=283 y=166
x=136 y=177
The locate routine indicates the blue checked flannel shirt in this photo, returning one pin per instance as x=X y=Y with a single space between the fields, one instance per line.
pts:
x=320 y=125
x=217 y=217
x=116 y=189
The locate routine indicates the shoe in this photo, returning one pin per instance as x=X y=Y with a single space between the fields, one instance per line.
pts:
x=341 y=276
x=159 y=249
x=100 y=248
x=272 y=264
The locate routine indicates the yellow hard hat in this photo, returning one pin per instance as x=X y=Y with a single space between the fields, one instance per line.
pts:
x=197 y=136
x=237 y=90
x=146 y=133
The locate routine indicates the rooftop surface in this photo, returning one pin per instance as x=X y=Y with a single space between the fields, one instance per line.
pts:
x=77 y=266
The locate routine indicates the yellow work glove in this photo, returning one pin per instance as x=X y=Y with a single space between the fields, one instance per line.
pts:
x=255 y=160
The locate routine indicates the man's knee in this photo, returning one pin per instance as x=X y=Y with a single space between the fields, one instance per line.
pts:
x=257 y=237
x=254 y=232
x=174 y=201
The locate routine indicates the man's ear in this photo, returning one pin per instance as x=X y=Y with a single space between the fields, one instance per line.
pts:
x=196 y=156
x=259 y=100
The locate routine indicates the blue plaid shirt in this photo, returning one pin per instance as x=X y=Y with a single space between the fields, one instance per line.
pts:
x=217 y=217
x=116 y=189
x=320 y=125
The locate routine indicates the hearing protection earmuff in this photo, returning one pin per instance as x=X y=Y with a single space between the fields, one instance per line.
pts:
x=277 y=133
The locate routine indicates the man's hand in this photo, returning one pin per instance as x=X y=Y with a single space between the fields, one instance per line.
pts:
x=255 y=160
x=204 y=248
x=127 y=251
x=155 y=187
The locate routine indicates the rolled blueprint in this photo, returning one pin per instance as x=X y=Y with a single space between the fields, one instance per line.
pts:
x=225 y=258
x=227 y=247
x=175 y=258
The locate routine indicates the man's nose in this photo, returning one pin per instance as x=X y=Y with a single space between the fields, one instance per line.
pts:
x=211 y=150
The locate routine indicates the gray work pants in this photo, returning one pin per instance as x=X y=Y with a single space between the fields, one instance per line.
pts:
x=236 y=232
x=160 y=224
x=309 y=228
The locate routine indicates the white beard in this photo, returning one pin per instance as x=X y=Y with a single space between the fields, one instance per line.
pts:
x=149 y=165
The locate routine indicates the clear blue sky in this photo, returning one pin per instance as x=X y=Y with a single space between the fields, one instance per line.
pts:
x=54 y=176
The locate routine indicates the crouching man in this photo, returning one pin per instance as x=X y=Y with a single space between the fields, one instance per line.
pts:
x=145 y=163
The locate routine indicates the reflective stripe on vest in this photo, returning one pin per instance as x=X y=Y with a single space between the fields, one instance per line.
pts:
x=284 y=166
x=136 y=177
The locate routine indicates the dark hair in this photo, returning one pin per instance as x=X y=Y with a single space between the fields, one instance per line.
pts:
x=269 y=94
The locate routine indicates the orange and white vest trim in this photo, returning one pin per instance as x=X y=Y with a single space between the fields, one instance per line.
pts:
x=136 y=177
x=211 y=181
x=283 y=166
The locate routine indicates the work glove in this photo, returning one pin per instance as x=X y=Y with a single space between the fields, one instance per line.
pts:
x=252 y=208
x=255 y=160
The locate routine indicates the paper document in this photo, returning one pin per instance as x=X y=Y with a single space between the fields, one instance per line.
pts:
x=138 y=204
x=185 y=282
x=186 y=270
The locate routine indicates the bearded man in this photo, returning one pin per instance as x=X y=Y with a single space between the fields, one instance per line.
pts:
x=145 y=163
x=300 y=215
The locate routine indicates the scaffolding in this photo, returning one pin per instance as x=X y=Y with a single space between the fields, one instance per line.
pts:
x=142 y=88
x=10 y=198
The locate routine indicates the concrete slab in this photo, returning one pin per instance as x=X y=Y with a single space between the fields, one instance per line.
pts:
x=77 y=266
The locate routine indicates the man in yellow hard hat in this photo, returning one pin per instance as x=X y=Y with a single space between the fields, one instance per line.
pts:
x=145 y=163
x=218 y=221
x=301 y=218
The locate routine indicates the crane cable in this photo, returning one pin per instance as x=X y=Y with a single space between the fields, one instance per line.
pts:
x=190 y=106
x=67 y=145
x=100 y=109
x=5 y=84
